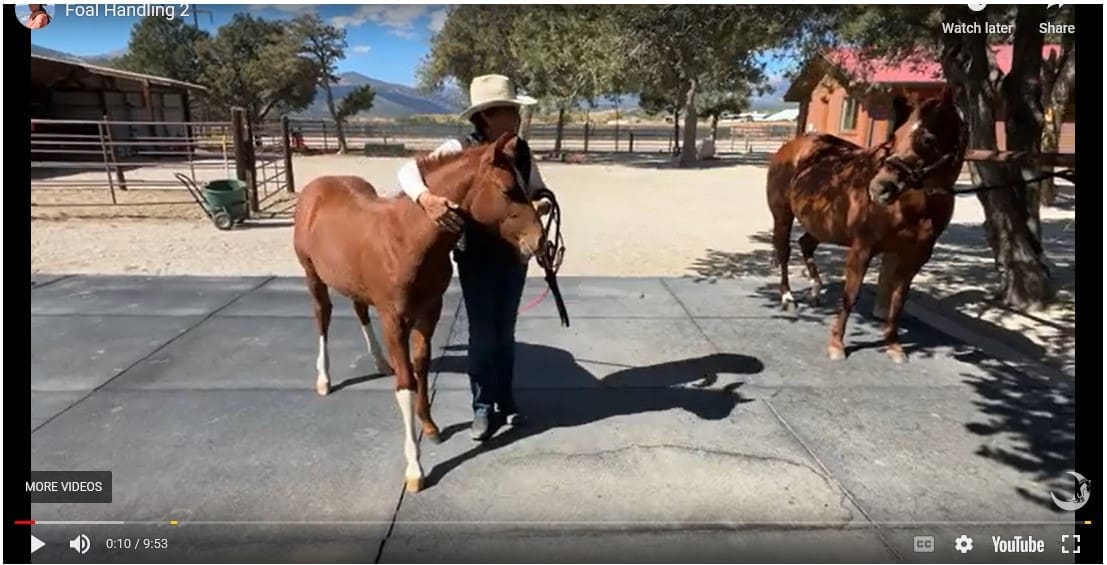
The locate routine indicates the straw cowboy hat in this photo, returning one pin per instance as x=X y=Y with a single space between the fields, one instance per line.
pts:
x=490 y=91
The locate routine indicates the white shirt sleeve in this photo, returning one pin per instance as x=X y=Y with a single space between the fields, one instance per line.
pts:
x=411 y=180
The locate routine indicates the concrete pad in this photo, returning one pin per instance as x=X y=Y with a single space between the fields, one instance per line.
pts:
x=45 y=405
x=622 y=352
x=139 y=296
x=601 y=297
x=80 y=353
x=288 y=297
x=263 y=353
x=617 y=456
x=726 y=298
x=794 y=353
x=990 y=453
x=230 y=455
x=413 y=543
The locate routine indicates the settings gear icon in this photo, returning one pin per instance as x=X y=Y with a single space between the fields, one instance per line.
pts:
x=963 y=544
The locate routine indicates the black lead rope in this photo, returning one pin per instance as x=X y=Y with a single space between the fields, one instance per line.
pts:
x=553 y=250
x=1066 y=174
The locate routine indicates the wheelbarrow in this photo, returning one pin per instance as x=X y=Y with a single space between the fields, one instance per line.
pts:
x=223 y=201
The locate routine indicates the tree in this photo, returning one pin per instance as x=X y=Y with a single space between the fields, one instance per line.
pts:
x=471 y=43
x=695 y=46
x=659 y=98
x=570 y=54
x=257 y=64
x=715 y=103
x=325 y=45
x=968 y=62
x=358 y=100
x=165 y=48
x=1058 y=84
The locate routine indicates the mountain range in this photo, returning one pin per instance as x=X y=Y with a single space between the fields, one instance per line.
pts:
x=399 y=101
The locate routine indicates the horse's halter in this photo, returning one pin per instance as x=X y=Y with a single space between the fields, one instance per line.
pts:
x=913 y=176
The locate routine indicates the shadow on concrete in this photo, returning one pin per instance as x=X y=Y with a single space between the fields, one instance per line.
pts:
x=961 y=255
x=686 y=384
x=1036 y=417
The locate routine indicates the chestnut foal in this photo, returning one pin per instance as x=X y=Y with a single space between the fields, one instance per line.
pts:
x=388 y=254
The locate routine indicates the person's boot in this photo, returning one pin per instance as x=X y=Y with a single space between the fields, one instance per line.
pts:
x=509 y=414
x=482 y=427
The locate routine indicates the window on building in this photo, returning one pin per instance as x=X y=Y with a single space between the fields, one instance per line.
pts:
x=849 y=114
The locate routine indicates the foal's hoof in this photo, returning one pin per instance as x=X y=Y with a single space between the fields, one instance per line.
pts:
x=814 y=299
x=413 y=485
x=897 y=355
x=322 y=388
x=835 y=353
x=432 y=436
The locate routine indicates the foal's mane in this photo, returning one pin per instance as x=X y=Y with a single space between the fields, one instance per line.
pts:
x=430 y=162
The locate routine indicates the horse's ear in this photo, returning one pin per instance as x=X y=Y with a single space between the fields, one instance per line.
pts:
x=901 y=111
x=504 y=148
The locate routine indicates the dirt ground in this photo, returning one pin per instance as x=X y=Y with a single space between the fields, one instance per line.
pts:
x=627 y=217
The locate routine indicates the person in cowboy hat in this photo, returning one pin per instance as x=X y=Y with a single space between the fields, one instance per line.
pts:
x=491 y=275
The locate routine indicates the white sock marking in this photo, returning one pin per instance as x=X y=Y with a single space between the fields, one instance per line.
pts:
x=323 y=362
x=406 y=400
x=375 y=348
x=787 y=299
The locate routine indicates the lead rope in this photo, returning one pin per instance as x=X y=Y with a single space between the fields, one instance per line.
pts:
x=550 y=255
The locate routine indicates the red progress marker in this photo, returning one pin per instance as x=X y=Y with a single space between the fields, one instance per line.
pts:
x=24 y=522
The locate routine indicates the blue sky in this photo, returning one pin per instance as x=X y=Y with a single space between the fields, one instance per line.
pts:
x=386 y=42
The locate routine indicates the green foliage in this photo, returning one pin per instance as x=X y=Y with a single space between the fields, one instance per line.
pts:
x=325 y=44
x=166 y=48
x=358 y=100
x=472 y=42
x=257 y=64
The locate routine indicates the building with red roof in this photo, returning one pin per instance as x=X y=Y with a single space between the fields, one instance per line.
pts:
x=836 y=95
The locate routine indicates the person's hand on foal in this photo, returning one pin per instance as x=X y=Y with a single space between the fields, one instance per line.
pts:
x=442 y=210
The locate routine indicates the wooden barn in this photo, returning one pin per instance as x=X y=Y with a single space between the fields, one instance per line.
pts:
x=63 y=89
x=858 y=114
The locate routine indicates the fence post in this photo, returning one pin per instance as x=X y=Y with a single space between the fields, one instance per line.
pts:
x=286 y=143
x=114 y=158
x=243 y=156
x=616 y=132
x=107 y=161
x=326 y=147
x=587 y=130
x=630 y=141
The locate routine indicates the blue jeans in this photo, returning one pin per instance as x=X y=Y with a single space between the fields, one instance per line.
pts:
x=492 y=288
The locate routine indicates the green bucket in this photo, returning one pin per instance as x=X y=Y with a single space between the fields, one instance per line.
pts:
x=228 y=195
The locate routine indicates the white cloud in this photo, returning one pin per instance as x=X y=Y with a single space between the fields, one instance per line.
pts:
x=437 y=20
x=361 y=48
x=399 y=19
x=284 y=9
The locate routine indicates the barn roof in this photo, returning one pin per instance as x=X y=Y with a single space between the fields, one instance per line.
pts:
x=850 y=64
x=67 y=68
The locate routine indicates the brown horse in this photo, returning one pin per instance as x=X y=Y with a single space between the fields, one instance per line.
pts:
x=895 y=199
x=388 y=254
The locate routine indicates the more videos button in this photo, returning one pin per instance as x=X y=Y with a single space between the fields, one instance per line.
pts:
x=70 y=486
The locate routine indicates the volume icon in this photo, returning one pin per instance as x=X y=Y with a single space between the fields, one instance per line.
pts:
x=80 y=544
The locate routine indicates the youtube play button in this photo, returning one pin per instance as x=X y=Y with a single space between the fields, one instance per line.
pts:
x=36 y=544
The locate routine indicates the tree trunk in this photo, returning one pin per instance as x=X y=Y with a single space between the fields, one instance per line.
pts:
x=691 y=117
x=676 y=131
x=560 y=130
x=714 y=128
x=1057 y=84
x=528 y=115
x=1024 y=277
x=339 y=131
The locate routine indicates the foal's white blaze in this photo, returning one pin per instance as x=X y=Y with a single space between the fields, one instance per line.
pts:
x=413 y=475
x=375 y=349
x=323 y=365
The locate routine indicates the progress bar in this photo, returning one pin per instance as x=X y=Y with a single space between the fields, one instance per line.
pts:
x=537 y=522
